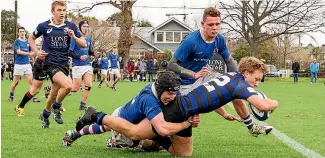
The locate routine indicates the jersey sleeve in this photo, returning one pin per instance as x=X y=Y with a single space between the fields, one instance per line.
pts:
x=222 y=47
x=39 y=31
x=76 y=31
x=244 y=91
x=150 y=107
x=184 y=50
x=16 y=45
x=72 y=44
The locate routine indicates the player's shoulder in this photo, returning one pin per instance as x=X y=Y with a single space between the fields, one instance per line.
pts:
x=193 y=36
x=220 y=36
x=69 y=23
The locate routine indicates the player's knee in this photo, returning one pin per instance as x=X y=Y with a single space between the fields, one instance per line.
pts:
x=16 y=83
x=87 y=88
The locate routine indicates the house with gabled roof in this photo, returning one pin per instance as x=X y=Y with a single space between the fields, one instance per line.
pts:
x=167 y=35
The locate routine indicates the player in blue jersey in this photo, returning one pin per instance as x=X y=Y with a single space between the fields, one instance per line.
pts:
x=104 y=69
x=57 y=35
x=114 y=68
x=81 y=68
x=22 y=66
x=206 y=98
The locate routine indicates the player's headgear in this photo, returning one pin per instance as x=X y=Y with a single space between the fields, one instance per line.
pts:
x=82 y=22
x=167 y=81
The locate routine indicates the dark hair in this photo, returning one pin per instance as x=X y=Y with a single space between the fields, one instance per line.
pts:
x=83 y=22
x=20 y=28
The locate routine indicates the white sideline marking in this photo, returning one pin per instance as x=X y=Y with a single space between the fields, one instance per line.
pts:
x=289 y=141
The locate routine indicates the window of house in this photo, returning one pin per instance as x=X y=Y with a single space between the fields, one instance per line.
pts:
x=160 y=36
x=169 y=37
x=177 y=36
x=184 y=34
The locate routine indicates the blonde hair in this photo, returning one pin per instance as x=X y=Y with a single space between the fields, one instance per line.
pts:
x=58 y=2
x=251 y=64
x=213 y=12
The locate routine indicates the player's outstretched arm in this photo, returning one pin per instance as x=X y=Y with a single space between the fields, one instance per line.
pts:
x=222 y=111
x=164 y=128
x=263 y=104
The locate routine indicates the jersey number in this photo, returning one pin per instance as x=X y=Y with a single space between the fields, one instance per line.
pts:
x=220 y=81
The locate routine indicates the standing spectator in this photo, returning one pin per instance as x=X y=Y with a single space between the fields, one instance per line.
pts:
x=150 y=69
x=142 y=70
x=96 y=68
x=131 y=70
x=3 y=67
x=155 y=69
x=10 y=69
x=295 y=70
x=314 y=68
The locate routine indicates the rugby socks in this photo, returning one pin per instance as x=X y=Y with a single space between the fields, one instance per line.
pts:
x=248 y=122
x=82 y=103
x=101 y=81
x=56 y=105
x=46 y=114
x=26 y=98
x=11 y=95
x=98 y=117
x=91 y=129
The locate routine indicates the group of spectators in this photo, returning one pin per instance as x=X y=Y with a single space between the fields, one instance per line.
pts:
x=7 y=70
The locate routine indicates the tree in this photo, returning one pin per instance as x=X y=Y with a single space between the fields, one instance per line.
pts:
x=316 y=52
x=8 y=26
x=241 y=51
x=125 y=38
x=103 y=36
x=167 y=54
x=116 y=18
x=259 y=21
x=144 y=23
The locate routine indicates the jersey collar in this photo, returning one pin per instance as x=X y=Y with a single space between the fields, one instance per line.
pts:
x=204 y=39
x=154 y=91
x=55 y=25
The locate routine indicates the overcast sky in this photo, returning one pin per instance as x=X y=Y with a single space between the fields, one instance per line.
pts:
x=31 y=14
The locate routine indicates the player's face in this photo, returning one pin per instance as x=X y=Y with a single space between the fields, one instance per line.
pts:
x=84 y=28
x=115 y=50
x=59 y=13
x=21 y=33
x=167 y=96
x=211 y=26
x=253 y=79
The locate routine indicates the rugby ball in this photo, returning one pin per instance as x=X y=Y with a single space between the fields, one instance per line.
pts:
x=259 y=115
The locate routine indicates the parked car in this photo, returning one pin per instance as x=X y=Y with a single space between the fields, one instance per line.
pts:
x=273 y=71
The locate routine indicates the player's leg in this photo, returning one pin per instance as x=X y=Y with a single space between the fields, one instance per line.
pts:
x=77 y=75
x=87 y=77
x=255 y=130
x=29 y=78
x=181 y=146
x=118 y=77
x=45 y=114
x=135 y=132
x=36 y=87
x=13 y=86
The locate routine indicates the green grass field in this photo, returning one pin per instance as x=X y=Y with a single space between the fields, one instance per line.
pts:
x=300 y=115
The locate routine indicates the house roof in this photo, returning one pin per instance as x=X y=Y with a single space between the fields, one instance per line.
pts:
x=169 y=20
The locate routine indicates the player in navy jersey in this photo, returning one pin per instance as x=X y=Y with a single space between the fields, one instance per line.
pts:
x=206 y=98
x=104 y=69
x=22 y=65
x=81 y=68
x=114 y=68
x=57 y=35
